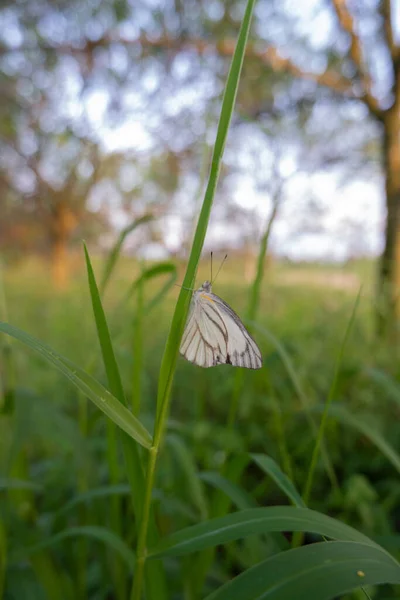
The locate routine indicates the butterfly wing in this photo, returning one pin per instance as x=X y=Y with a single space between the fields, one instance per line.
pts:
x=215 y=335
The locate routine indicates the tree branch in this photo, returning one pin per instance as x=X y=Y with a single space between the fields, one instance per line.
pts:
x=386 y=11
x=346 y=22
x=269 y=55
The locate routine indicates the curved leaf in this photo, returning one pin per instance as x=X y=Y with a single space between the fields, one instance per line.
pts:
x=101 y=492
x=187 y=464
x=387 y=383
x=18 y=484
x=236 y=494
x=271 y=468
x=319 y=571
x=155 y=271
x=116 y=249
x=89 y=386
x=341 y=414
x=241 y=524
x=98 y=533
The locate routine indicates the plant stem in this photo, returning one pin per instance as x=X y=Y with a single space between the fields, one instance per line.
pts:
x=298 y=537
x=170 y=357
x=142 y=538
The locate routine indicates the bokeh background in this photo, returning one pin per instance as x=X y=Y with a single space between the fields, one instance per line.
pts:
x=108 y=116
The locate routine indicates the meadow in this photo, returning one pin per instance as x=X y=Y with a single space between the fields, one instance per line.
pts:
x=129 y=473
x=235 y=439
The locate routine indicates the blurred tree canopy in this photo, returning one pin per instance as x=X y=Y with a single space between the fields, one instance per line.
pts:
x=321 y=79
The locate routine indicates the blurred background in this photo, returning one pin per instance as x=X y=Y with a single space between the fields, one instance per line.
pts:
x=108 y=116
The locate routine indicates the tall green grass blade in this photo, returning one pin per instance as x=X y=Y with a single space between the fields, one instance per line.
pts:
x=388 y=384
x=163 y=268
x=107 y=351
x=155 y=577
x=271 y=468
x=115 y=385
x=99 y=395
x=94 y=494
x=18 y=484
x=341 y=414
x=291 y=371
x=186 y=462
x=318 y=571
x=181 y=309
x=255 y=292
x=116 y=250
x=241 y=524
x=7 y=367
x=331 y=395
x=101 y=534
x=52 y=577
x=170 y=356
x=137 y=351
x=239 y=497
x=3 y=556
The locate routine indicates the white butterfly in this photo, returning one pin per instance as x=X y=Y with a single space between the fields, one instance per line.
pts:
x=214 y=334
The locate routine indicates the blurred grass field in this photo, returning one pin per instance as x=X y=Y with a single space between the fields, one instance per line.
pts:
x=56 y=442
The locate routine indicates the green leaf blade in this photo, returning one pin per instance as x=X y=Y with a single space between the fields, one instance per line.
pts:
x=244 y=523
x=319 y=571
x=271 y=468
x=109 y=360
x=89 y=386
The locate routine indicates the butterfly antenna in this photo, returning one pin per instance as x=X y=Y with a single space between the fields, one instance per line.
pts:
x=220 y=267
x=211 y=267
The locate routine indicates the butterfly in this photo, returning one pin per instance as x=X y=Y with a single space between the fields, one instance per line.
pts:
x=215 y=335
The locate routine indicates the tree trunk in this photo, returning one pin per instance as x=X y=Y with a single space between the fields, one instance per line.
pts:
x=63 y=222
x=389 y=288
x=59 y=262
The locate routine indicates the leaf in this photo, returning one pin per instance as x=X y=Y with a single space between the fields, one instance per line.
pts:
x=110 y=363
x=318 y=571
x=387 y=383
x=240 y=498
x=241 y=524
x=162 y=268
x=116 y=250
x=271 y=468
x=18 y=484
x=184 y=458
x=170 y=356
x=89 y=386
x=91 y=531
x=94 y=494
x=356 y=422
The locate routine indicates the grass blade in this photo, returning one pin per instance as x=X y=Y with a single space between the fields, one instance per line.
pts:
x=147 y=275
x=341 y=414
x=110 y=363
x=318 y=571
x=116 y=250
x=331 y=394
x=387 y=383
x=271 y=468
x=185 y=461
x=94 y=494
x=89 y=386
x=170 y=356
x=91 y=531
x=155 y=576
x=241 y=524
x=239 y=497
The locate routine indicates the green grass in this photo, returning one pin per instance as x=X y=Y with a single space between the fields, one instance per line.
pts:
x=49 y=461
x=174 y=481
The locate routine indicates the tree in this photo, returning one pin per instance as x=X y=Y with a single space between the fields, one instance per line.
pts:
x=163 y=63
